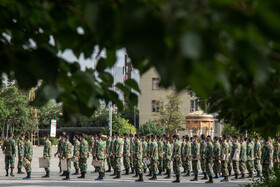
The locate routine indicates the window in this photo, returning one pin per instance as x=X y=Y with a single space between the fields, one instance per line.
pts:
x=155 y=106
x=194 y=105
x=155 y=83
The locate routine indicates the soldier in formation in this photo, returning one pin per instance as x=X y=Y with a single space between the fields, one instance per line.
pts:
x=28 y=154
x=76 y=154
x=47 y=154
x=20 y=153
x=9 y=149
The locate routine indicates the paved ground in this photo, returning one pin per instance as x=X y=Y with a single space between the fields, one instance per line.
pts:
x=56 y=180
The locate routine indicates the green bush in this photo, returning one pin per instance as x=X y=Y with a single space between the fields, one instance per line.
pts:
x=272 y=181
x=54 y=141
x=150 y=128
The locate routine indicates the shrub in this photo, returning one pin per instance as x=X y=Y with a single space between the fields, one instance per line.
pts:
x=150 y=128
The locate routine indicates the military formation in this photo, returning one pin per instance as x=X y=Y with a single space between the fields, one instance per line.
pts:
x=214 y=157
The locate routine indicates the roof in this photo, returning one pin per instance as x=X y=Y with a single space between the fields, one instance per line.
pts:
x=199 y=116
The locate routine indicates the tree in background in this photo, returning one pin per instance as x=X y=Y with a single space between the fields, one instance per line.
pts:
x=128 y=113
x=170 y=116
x=150 y=128
x=232 y=130
x=121 y=125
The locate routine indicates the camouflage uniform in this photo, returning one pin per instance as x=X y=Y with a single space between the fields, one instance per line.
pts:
x=243 y=158
x=184 y=164
x=62 y=147
x=149 y=153
x=160 y=155
x=154 y=156
x=176 y=155
x=108 y=145
x=217 y=153
x=209 y=155
x=83 y=156
x=167 y=156
x=276 y=159
x=66 y=153
x=28 y=153
x=267 y=156
x=195 y=155
x=131 y=154
x=224 y=158
x=20 y=153
x=138 y=151
x=144 y=155
x=257 y=154
x=47 y=151
x=112 y=150
x=187 y=154
x=100 y=150
x=59 y=152
x=229 y=152
x=118 y=153
x=9 y=149
x=202 y=156
x=126 y=154
x=76 y=153
x=235 y=163
x=250 y=159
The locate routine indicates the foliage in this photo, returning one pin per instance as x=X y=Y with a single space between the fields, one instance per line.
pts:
x=232 y=130
x=150 y=128
x=170 y=116
x=223 y=49
x=272 y=181
x=128 y=114
x=120 y=125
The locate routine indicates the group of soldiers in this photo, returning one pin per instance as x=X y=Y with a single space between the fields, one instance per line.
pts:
x=25 y=153
x=153 y=155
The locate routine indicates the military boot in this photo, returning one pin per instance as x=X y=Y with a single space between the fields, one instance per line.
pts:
x=136 y=174
x=154 y=177
x=63 y=174
x=83 y=175
x=168 y=171
x=210 y=180
x=109 y=169
x=205 y=176
x=118 y=175
x=28 y=176
x=115 y=173
x=132 y=171
x=67 y=176
x=7 y=173
x=150 y=174
x=216 y=176
x=12 y=172
x=177 y=179
x=76 y=173
x=195 y=178
x=225 y=179
x=235 y=178
x=242 y=176
x=145 y=170
x=140 y=178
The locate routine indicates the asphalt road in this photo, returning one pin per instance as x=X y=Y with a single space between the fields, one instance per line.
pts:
x=56 y=181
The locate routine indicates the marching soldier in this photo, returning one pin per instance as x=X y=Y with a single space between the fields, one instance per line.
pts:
x=195 y=157
x=9 y=149
x=182 y=154
x=267 y=156
x=243 y=158
x=131 y=153
x=187 y=155
x=118 y=151
x=230 y=148
x=176 y=156
x=276 y=154
x=234 y=156
x=28 y=154
x=224 y=158
x=217 y=153
x=154 y=158
x=138 y=151
x=76 y=154
x=58 y=152
x=62 y=147
x=144 y=147
x=209 y=155
x=100 y=156
x=250 y=157
x=167 y=157
x=257 y=155
x=66 y=154
x=160 y=155
x=20 y=153
x=202 y=156
x=47 y=154
x=112 y=150
x=83 y=156
x=108 y=158
x=92 y=150
x=126 y=154
x=149 y=154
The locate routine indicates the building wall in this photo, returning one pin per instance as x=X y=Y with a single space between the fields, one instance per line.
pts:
x=148 y=94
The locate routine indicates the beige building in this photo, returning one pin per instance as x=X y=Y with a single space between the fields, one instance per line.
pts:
x=148 y=106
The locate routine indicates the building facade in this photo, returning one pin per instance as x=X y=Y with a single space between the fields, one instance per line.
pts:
x=151 y=93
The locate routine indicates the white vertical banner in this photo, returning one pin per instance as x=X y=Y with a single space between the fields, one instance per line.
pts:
x=53 y=128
